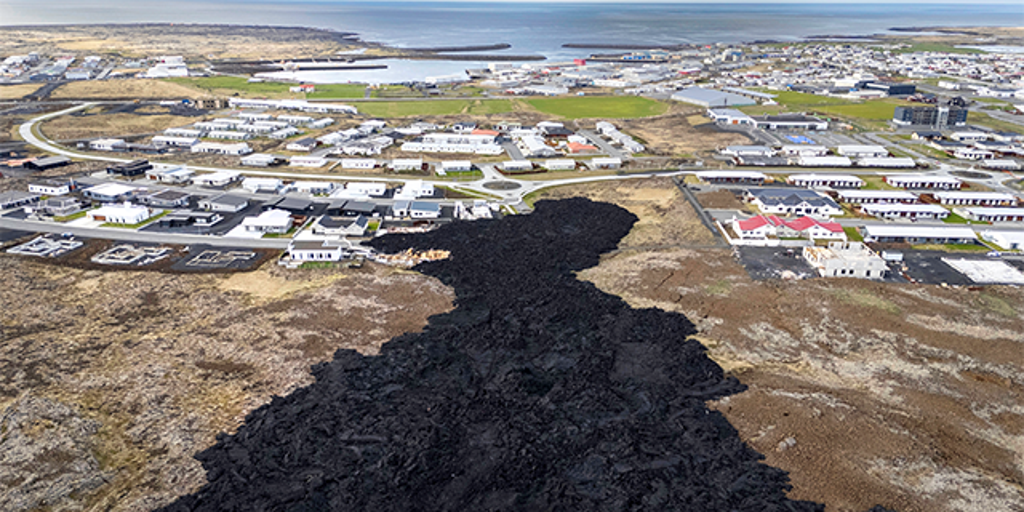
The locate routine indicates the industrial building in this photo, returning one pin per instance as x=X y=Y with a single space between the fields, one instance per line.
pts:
x=936 y=117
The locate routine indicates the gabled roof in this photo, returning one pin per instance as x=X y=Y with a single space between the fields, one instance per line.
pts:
x=753 y=223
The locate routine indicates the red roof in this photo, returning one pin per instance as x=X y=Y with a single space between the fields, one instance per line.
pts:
x=576 y=147
x=485 y=132
x=802 y=224
x=753 y=223
x=834 y=227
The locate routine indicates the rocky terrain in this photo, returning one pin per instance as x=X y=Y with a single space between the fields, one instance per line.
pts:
x=538 y=392
x=110 y=381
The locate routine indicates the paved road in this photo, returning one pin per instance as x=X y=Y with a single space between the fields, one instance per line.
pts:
x=142 y=236
x=604 y=145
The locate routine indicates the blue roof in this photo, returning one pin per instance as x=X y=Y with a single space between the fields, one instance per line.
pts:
x=711 y=97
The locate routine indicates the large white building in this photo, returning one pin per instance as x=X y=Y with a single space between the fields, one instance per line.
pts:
x=123 y=213
x=304 y=106
x=846 y=259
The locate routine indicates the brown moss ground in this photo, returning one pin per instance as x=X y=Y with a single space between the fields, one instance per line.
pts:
x=165 y=362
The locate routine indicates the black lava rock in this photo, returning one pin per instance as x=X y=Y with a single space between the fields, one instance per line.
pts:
x=538 y=392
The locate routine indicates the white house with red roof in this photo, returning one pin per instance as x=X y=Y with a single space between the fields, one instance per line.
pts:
x=814 y=229
x=766 y=229
x=756 y=228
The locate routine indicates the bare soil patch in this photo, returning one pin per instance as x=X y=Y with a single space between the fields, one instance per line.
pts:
x=131 y=89
x=13 y=92
x=666 y=218
x=73 y=127
x=673 y=134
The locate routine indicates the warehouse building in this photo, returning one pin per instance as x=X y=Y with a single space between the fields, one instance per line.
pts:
x=710 y=98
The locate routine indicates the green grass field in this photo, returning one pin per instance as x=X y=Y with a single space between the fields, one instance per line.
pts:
x=615 y=107
x=212 y=83
x=991 y=122
x=853 y=235
x=434 y=108
x=795 y=99
x=326 y=91
x=937 y=47
x=226 y=84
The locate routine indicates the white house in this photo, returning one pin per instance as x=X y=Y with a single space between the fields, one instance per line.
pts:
x=605 y=163
x=748 y=151
x=173 y=175
x=341 y=226
x=372 y=189
x=877 y=196
x=862 y=151
x=224 y=203
x=51 y=187
x=264 y=185
x=108 y=145
x=315 y=250
x=732 y=177
x=988 y=214
x=228 y=135
x=918 y=181
x=1011 y=240
x=237 y=149
x=123 y=213
x=307 y=161
x=516 y=166
x=217 y=179
x=562 y=164
x=312 y=187
x=456 y=166
x=416 y=189
x=178 y=142
x=407 y=164
x=424 y=210
x=957 y=198
x=824 y=161
x=887 y=162
x=270 y=221
x=259 y=160
x=358 y=163
x=803 y=150
x=826 y=180
x=905 y=211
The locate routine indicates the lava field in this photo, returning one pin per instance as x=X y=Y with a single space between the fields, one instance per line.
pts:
x=537 y=392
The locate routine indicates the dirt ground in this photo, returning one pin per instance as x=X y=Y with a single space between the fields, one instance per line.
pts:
x=14 y=92
x=135 y=88
x=674 y=134
x=719 y=199
x=908 y=396
x=73 y=127
x=147 y=40
x=666 y=218
x=164 y=362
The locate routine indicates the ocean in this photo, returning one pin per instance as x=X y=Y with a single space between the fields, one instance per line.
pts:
x=531 y=28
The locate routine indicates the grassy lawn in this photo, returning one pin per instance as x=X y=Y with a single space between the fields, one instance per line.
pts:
x=930 y=151
x=952 y=247
x=325 y=91
x=434 y=108
x=73 y=216
x=937 y=47
x=615 y=107
x=462 y=176
x=800 y=99
x=953 y=218
x=317 y=264
x=853 y=235
x=137 y=225
x=282 y=235
x=395 y=91
x=232 y=83
x=991 y=122
x=876 y=183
